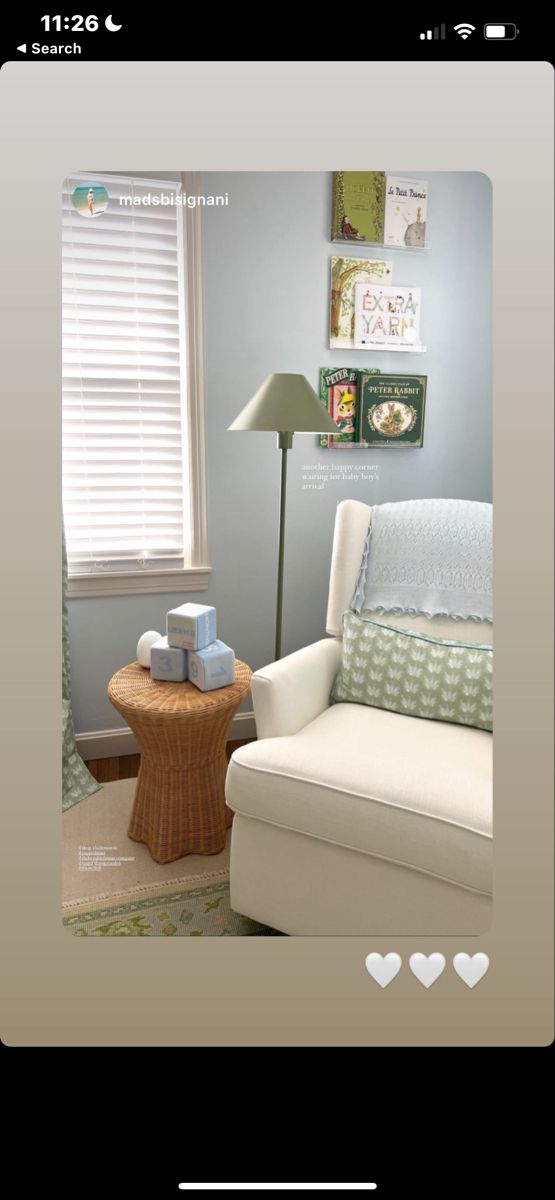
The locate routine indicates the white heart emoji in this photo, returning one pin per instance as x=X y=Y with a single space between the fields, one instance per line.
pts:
x=471 y=970
x=427 y=968
x=383 y=968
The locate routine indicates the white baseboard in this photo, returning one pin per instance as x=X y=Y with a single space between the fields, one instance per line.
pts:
x=114 y=743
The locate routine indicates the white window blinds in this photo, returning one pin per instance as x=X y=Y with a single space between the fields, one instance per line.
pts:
x=124 y=455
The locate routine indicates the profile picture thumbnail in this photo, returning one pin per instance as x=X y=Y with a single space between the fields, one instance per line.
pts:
x=90 y=199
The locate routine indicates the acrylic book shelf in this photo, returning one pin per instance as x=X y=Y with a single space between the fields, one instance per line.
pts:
x=380 y=210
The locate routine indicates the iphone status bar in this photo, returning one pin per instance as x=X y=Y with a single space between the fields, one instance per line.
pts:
x=113 y=35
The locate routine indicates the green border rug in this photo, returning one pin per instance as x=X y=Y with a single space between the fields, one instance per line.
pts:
x=192 y=912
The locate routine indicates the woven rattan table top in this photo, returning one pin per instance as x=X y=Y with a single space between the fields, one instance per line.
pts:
x=132 y=687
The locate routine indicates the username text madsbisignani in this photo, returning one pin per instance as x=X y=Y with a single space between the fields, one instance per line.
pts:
x=178 y=198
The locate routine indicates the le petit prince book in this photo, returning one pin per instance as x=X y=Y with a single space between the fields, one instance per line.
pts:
x=406 y=203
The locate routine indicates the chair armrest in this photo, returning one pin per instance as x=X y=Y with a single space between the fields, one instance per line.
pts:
x=291 y=692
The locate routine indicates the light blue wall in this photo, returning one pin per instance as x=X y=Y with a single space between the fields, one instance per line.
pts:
x=267 y=286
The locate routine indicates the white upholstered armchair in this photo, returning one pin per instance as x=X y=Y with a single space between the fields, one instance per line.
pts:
x=352 y=819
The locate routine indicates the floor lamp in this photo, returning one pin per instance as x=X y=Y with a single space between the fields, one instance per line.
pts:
x=285 y=404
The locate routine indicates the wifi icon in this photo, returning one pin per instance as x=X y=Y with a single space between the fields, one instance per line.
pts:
x=464 y=30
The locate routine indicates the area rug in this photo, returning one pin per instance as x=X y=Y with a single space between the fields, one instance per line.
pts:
x=101 y=863
x=186 y=912
x=113 y=888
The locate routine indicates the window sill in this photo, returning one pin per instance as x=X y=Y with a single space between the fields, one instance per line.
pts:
x=135 y=583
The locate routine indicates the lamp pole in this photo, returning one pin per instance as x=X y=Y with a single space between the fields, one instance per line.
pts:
x=284 y=404
x=285 y=442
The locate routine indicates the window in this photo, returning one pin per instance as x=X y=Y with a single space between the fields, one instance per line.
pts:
x=133 y=421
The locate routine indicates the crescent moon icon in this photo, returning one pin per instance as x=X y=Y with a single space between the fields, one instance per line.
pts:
x=110 y=25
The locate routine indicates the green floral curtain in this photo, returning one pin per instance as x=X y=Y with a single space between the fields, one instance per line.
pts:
x=77 y=781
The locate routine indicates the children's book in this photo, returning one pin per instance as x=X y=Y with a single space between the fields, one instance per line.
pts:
x=387 y=318
x=406 y=203
x=358 y=206
x=345 y=273
x=339 y=394
x=391 y=409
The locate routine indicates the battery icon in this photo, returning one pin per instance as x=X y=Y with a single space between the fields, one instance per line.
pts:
x=498 y=33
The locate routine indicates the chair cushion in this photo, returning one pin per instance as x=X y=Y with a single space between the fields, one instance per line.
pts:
x=413 y=791
x=410 y=673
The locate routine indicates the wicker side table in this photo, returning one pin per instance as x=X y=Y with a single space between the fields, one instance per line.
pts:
x=179 y=805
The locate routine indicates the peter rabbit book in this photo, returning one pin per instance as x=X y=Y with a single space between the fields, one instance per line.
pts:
x=345 y=272
x=339 y=393
x=391 y=409
x=406 y=204
x=358 y=206
x=387 y=318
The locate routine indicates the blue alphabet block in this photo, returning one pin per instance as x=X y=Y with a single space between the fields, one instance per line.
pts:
x=168 y=662
x=191 y=626
x=212 y=667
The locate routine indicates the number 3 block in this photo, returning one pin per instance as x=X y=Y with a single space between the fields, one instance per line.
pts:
x=168 y=662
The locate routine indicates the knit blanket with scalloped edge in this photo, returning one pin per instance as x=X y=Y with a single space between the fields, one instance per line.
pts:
x=431 y=557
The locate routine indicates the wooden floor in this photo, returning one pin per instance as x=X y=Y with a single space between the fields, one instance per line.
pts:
x=106 y=770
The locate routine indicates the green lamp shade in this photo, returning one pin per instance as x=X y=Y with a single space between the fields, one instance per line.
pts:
x=285 y=404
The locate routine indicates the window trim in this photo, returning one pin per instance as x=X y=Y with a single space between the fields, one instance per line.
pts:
x=134 y=583
x=195 y=576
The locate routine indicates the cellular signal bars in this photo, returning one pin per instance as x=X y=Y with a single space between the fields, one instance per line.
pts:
x=438 y=33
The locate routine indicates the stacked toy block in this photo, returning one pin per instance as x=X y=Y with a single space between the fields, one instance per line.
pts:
x=191 y=650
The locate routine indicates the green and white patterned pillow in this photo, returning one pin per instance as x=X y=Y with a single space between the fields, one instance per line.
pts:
x=410 y=673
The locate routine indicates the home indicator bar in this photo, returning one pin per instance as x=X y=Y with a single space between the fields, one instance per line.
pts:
x=278 y=1187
